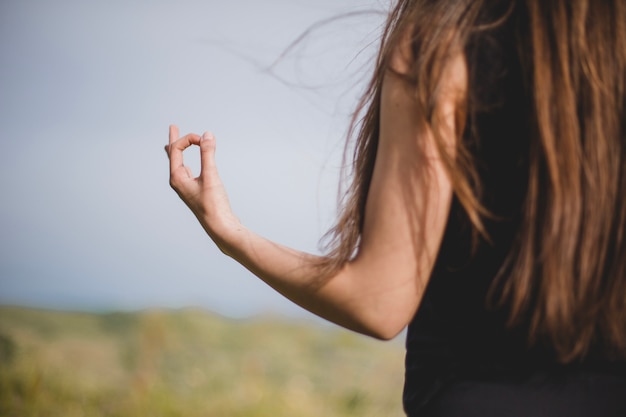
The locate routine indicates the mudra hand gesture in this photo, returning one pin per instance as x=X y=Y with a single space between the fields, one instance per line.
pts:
x=205 y=194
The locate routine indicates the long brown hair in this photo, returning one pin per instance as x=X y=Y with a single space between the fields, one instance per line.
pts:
x=566 y=273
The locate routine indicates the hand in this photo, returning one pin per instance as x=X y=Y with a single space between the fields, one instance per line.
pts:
x=204 y=195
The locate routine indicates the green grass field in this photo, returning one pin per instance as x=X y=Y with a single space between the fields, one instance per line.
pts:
x=190 y=363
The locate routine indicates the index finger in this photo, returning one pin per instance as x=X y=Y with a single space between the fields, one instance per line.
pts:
x=173 y=133
x=176 y=149
x=173 y=137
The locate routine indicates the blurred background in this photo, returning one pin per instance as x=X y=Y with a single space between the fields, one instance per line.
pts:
x=113 y=301
x=88 y=89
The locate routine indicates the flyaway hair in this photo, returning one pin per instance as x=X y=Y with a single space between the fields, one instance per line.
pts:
x=565 y=276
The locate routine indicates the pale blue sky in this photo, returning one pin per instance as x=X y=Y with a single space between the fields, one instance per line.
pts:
x=87 y=91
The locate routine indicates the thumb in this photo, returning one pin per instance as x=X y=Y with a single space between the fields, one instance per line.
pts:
x=207 y=156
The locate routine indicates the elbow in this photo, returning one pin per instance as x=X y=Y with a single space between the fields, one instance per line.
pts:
x=386 y=323
x=386 y=330
x=387 y=335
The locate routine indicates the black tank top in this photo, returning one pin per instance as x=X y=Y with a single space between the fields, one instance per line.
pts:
x=462 y=359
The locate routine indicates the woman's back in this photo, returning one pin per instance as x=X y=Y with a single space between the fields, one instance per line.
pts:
x=465 y=355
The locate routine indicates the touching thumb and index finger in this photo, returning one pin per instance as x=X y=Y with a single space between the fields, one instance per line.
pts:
x=176 y=146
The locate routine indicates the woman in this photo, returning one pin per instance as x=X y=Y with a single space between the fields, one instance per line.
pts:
x=486 y=210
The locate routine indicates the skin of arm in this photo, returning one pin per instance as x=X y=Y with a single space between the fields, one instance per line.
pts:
x=379 y=291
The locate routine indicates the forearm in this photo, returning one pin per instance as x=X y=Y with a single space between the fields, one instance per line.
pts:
x=337 y=297
x=349 y=297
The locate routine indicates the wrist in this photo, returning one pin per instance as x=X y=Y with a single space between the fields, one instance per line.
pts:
x=227 y=232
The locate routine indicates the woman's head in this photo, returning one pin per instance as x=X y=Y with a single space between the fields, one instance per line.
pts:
x=566 y=275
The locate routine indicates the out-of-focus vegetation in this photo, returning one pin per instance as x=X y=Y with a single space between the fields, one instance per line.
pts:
x=190 y=363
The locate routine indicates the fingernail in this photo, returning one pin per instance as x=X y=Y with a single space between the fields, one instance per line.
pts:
x=207 y=136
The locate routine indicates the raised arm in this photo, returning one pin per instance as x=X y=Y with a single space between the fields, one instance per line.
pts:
x=379 y=291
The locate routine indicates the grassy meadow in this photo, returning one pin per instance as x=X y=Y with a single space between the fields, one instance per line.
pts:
x=190 y=363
